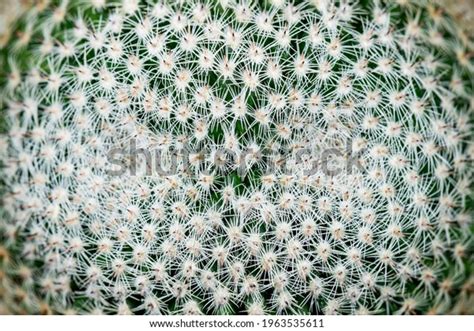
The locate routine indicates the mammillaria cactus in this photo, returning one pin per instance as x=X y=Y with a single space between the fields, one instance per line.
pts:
x=223 y=157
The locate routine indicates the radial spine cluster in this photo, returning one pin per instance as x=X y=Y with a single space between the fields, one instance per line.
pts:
x=270 y=82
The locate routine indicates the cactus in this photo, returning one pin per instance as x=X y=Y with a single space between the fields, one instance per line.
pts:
x=221 y=90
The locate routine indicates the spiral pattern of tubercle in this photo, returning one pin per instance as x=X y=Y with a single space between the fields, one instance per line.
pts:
x=394 y=80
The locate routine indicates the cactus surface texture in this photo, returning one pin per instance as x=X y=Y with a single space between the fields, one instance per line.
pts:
x=285 y=157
